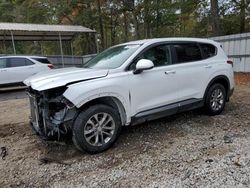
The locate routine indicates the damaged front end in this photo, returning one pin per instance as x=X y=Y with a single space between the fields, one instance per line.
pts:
x=52 y=114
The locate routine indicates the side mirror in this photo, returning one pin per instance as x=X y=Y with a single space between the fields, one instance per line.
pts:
x=143 y=64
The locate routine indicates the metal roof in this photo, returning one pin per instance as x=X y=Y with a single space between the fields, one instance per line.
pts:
x=35 y=32
x=233 y=37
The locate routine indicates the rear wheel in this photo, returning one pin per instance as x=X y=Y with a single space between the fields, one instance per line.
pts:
x=96 y=129
x=215 y=99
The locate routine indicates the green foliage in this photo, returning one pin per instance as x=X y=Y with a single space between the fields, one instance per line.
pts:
x=123 y=20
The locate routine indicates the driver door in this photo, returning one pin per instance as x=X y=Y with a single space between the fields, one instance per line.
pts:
x=156 y=87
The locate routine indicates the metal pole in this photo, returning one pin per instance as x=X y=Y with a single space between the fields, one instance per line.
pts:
x=60 y=40
x=41 y=46
x=72 y=52
x=4 y=45
x=13 y=42
x=97 y=44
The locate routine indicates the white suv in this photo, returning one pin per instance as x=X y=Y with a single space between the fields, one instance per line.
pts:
x=129 y=84
x=15 y=69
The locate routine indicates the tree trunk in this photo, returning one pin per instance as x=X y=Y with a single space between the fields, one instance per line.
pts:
x=157 y=18
x=215 y=17
x=92 y=48
x=106 y=30
x=242 y=16
x=146 y=19
x=137 y=26
x=111 y=26
x=101 y=24
x=125 y=26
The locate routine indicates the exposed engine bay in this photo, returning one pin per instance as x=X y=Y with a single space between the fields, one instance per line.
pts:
x=51 y=113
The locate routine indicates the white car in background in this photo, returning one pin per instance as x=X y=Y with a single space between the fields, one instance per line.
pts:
x=15 y=69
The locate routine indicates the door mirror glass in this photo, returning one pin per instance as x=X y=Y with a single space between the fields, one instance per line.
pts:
x=143 y=64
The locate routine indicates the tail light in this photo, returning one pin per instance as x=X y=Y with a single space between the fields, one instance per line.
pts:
x=51 y=66
x=230 y=62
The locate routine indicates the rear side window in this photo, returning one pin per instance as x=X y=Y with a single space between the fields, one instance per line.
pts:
x=208 y=50
x=42 y=60
x=187 y=52
x=3 y=63
x=18 y=62
x=28 y=62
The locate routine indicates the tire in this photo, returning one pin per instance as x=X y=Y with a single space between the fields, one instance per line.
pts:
x=96 y=129
x=215 y=99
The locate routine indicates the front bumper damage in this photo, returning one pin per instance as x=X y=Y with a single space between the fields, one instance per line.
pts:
x=52 y=115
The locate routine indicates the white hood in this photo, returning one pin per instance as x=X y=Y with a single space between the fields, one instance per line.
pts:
x=60 y=77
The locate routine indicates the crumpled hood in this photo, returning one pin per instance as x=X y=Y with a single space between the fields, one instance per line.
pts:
x=60 y=77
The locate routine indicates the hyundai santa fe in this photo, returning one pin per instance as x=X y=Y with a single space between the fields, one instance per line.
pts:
x=129 y=84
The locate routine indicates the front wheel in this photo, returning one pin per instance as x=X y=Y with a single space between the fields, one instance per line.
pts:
x=215 y=99
x=96 y=128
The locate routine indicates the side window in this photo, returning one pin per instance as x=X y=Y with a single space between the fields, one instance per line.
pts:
x=3 y=63
x=42 y=60
x=16 y=62
x=28 y=62
x=159 y=55
x=187 y=52
x=208 y=50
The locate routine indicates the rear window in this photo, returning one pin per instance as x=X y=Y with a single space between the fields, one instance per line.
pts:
x=209 y=50
x=187 y=52
x=42 y=60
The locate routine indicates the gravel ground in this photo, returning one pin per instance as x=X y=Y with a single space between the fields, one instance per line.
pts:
x=13 y=94
x=186 y=150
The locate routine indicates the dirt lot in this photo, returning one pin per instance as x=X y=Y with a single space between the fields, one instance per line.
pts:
x=188 y=149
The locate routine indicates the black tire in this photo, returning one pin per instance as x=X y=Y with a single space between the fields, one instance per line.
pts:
x=80 y=126
x=210 y=104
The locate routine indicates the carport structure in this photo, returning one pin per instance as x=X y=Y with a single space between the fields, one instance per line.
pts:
x=41 y=32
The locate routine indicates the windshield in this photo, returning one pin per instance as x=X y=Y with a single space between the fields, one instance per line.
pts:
x=112 y=58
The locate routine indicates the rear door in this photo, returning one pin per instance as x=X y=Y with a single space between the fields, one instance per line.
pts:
x=4 y=75
x=192 y=69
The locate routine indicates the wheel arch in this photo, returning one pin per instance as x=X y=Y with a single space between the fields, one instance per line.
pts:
x=222 y=79
x=111 y=101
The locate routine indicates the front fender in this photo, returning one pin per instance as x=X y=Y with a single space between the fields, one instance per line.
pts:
x=80 y=94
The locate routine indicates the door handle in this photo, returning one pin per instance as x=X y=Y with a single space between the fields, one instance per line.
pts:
x=170 y=72
x=3 y=70
x=208 y=66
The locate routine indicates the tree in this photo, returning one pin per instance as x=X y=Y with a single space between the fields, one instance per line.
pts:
x=215 y=17
x=100 y=23
x=119 y=21
x=241 y=6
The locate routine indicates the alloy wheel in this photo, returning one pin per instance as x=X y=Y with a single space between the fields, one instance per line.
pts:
x=216 y=99
x=99 y=129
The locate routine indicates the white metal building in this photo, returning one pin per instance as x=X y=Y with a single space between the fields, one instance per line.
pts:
x=237 y=48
